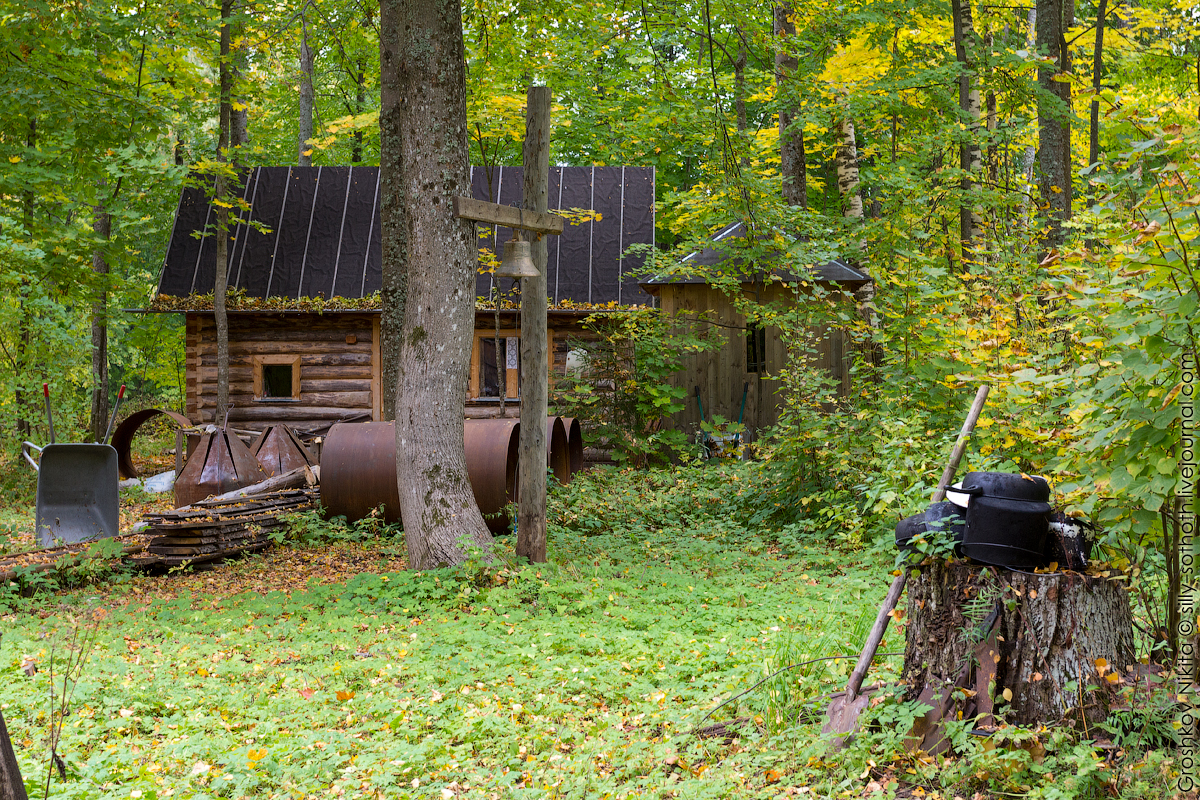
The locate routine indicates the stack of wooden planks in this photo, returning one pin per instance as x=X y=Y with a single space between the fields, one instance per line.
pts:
x=214 y=529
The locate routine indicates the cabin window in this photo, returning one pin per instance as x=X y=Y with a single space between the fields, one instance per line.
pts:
x=510 y=359
x=756 y=348
x=276 y=378
x=485 y=381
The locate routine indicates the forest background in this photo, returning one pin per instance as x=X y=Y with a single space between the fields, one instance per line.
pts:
x=1022 y=182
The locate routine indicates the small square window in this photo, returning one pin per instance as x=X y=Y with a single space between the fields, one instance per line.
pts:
x=277 y=380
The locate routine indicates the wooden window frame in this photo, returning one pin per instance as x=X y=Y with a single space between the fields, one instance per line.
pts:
x=258 y=362
x=511 y=376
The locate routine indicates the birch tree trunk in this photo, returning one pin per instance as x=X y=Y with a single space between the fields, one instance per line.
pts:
x=847 y=169
x=437 y=505
x=791 y=139
x=1054 y=18
x=102 y=227
x=965 y=48
x=304 y=157
x=391 y=211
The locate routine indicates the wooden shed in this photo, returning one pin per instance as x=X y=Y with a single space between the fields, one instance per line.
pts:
x=749 y=357
x=304 y=341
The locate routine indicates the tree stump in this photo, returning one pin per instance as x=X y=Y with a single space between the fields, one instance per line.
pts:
x=1032 y=648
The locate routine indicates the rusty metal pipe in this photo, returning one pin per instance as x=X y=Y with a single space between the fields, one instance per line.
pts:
x=492 y=464
x=574 y=443
x=558 y=456
x=358 y=469
x=123 y=436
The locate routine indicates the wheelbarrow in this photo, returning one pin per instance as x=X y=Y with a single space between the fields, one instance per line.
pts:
x=77 y=488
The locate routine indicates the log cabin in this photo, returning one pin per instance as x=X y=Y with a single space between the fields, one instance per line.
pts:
x=304 y=274
x=738 y=380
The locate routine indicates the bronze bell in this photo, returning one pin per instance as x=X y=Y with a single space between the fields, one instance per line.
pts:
x=517 y=261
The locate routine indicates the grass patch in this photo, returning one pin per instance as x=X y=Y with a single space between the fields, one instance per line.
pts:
x=579 y=678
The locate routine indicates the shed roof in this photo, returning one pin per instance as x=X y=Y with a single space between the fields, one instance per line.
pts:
x=321 y=233
x=833 y=271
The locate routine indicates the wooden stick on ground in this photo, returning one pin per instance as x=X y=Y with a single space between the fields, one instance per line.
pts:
x=12 y=787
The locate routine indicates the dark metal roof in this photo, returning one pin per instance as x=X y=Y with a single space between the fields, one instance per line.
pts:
x=832 y=271
x=321 y=233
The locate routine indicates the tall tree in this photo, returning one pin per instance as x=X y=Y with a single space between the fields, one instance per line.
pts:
x=791 y=130
x=304 y=158
x=1097 y=73
x=1054 y=19
x=220 y=282
x=436 y=502
x=970 y=162
x=102 y=227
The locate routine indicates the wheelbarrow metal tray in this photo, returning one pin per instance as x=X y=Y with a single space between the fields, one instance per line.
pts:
x=77 y=494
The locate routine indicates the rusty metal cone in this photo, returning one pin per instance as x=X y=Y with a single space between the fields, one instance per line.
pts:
x=517 y=261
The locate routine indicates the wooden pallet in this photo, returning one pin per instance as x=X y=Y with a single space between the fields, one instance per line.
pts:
x=214 y=529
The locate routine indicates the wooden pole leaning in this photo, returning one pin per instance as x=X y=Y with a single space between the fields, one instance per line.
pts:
x=531 y=491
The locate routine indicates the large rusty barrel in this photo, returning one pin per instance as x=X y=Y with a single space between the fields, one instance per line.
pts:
x=493 y=447
x=574 y=443
x=358 y=469
x=558 y=456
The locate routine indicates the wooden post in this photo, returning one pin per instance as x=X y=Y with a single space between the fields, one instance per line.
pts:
x=531 y=503
x=12 y=787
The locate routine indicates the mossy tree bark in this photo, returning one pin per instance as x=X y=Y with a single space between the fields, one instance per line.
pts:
x=437 y=505
x=1049 y=632
x=391 y=210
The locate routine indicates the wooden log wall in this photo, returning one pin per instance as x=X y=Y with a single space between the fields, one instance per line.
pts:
x=339 y=366
x=721 y=373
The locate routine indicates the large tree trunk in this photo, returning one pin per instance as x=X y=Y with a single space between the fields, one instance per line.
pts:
x=304 y=150
x=391 y=210
x=220 y=190
x=1054 y=18
x=436 y=503
x=1038 y=636
x=791 y=137
x=12 y=786
x=102 y=226
x=965 y=48
x=531 y=521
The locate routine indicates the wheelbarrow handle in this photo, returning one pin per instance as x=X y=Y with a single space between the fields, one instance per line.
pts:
x=25 y=448
x=49 y=415
x=113 y=418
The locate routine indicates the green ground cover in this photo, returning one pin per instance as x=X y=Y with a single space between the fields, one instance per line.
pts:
x=667 y=594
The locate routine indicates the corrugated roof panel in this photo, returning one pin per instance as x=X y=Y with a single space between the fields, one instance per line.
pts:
x=320 y=233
